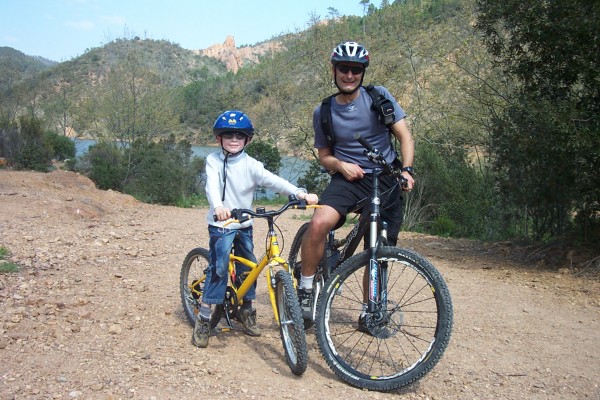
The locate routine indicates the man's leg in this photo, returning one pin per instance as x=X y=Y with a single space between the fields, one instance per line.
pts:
x=313 y=242
x=313 y=245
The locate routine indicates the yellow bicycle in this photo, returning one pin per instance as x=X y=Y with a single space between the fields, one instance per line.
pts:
x=282 y=292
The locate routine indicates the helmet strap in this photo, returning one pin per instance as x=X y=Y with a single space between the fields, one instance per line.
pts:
x=225 y=174
x=227 y=155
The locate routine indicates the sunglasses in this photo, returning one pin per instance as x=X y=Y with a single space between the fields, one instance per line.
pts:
x=344 y=69
x=231 y=135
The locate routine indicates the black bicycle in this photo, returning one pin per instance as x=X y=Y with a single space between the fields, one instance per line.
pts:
x=407 y=323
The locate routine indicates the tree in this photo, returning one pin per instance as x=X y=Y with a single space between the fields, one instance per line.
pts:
x=29 y=149
x=314 y=180
x=267 y=153
x=366 y=7
x=546 y=145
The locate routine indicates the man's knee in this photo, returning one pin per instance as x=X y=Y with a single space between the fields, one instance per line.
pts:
x=320 y=226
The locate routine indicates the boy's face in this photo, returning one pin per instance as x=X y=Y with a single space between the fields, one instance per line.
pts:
x=233 y=142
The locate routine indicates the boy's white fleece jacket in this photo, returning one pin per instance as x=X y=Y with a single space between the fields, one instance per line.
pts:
x=244 y=174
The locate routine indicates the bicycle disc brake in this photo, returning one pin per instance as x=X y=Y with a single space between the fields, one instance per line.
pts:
x=385 y=323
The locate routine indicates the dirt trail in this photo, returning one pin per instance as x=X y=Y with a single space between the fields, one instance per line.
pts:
x=95 y=311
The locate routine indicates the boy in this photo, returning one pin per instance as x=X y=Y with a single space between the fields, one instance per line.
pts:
x=231 y=180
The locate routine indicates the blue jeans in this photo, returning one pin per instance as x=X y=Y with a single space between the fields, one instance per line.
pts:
x=222 y=240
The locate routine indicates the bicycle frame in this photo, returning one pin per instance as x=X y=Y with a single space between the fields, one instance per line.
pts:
x=282 y=291
x=368 y=221
x=271 y=259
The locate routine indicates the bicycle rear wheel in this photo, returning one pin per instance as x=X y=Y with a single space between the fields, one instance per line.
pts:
x=191 y=285
x=401 y=343
x=291 y=325
x=294 y=258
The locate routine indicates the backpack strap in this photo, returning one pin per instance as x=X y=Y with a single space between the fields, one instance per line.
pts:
x=326 y=121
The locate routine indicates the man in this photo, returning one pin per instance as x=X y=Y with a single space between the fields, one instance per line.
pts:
x=343 y=156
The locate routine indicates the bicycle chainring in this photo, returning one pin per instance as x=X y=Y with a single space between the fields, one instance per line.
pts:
x=230 y=303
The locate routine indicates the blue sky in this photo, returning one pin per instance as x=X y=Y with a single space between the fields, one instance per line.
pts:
x=63 y=29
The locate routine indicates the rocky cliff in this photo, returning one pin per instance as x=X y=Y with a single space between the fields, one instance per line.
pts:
x=235 y=57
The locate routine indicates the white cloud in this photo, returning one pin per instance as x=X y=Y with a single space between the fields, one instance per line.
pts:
x=9 y=39
x=82 y=25
x=114 y=19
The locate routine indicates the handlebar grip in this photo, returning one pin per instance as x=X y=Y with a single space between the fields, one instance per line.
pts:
x=236 y=214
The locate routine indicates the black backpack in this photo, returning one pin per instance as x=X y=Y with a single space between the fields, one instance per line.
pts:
x=381 y=105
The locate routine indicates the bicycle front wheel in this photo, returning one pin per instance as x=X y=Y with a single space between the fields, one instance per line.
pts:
x=400 y=343
x=291 y=325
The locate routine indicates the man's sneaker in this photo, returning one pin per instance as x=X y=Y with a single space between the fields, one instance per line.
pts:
x=201 y=332
x=248 y=318
x=305 y=297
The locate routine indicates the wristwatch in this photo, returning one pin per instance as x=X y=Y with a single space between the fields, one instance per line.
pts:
x=410 y=170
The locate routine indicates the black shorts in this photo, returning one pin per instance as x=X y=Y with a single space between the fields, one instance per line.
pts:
x=343 y=196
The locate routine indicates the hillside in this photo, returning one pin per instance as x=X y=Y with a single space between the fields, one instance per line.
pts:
x=95 y=313
x=97 y=62
x=16 y=67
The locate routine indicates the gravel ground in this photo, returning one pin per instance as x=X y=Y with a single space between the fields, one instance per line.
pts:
x=94 y=312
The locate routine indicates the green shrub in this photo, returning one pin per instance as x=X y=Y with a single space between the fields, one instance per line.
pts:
x=24 y=146
x=106 y=165
x=63 y=147
x=163 y=173
x=443 y=226
x=6 y=266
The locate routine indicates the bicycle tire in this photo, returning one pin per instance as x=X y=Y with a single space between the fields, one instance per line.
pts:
x=294 y=255
x=409 y=345
x=295 y=263
x=291 y=324
x=193 y=270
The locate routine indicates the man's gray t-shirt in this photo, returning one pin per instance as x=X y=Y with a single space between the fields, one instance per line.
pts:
x=357 y=117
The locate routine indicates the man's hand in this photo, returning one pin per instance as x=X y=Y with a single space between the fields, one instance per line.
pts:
x=410 y=182
x=351 y=172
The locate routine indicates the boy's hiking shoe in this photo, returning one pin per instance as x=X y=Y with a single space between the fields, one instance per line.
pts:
x=248 y=318
x=305 y=297
x=201 y=332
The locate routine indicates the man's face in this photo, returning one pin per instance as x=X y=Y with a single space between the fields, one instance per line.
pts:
x=348 y=76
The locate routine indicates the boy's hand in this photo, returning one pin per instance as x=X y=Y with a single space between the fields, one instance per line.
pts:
x=222 y=213
x=310 y=198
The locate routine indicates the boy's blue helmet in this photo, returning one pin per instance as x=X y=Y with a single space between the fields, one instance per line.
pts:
x=233 y=121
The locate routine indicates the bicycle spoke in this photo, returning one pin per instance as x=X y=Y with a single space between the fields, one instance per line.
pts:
x=399 y=342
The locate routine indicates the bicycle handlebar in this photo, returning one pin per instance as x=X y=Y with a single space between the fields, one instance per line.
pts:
x=241 y=215
x=376 y=156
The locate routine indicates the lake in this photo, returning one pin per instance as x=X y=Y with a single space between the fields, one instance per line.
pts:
x=291 y=167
